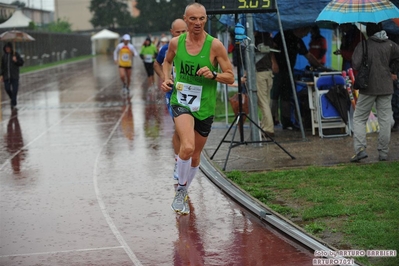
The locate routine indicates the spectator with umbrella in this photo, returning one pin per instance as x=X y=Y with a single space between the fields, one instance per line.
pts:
x=381 y=51
x=11 y=61
x=15 y=36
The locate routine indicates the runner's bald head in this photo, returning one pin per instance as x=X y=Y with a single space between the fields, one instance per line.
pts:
x=196 y=5
x=178 y=23
x=178 y=27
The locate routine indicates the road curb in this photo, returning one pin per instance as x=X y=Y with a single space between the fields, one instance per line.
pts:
x=262 y=212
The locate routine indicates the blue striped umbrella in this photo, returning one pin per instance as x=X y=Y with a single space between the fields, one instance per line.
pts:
x=351 y=11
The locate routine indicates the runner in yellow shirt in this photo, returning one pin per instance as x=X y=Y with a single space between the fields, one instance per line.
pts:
x=123 y=57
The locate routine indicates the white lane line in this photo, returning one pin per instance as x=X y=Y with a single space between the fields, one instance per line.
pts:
x=101 y=203
x=109 y=220
x=58 y=252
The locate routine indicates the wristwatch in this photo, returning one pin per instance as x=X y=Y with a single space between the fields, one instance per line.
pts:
x=215 y=74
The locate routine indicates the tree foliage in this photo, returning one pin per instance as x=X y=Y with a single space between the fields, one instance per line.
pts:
x=18 y=4
x=61 y=26
x=110 y=13
x=157 y=15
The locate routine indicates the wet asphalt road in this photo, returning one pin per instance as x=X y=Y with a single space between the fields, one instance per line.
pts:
x=86 y=179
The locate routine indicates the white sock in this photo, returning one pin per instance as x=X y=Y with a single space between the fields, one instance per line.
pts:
x=175 y=173
x=183 y=170
x=191 y=175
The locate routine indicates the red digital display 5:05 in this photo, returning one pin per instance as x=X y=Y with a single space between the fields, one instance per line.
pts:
x=237 y=6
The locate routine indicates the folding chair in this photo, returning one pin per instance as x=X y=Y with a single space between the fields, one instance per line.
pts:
x=326 y=115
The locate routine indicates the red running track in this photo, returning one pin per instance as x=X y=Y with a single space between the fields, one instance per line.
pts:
x=86 y=179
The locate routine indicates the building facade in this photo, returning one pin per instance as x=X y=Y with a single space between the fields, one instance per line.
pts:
x=38 y=16
x=78 y=14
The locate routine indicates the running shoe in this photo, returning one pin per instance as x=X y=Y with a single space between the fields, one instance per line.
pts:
x=125 y=90
x=175 y=174
x=180 y=202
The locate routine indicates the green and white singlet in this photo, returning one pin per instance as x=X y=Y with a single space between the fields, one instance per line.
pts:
x=196 y=93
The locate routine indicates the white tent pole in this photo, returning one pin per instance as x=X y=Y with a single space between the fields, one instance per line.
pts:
x=290 y=71
x=93 y=48
x=226 y=100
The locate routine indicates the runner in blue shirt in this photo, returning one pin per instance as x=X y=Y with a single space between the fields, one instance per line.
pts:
x=178 y=27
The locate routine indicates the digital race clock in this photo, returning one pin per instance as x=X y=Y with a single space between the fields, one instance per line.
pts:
x=238 y=6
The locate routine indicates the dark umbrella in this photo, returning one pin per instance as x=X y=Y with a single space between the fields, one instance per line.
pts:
x=339 y=98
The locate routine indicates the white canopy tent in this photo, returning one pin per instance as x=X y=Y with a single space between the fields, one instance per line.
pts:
x=17 y=20
x=104 y=41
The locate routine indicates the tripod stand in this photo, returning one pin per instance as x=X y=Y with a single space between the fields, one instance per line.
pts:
x=239 y=119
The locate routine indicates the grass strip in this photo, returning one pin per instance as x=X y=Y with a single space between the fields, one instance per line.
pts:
x=61 y=62
x=351 y=207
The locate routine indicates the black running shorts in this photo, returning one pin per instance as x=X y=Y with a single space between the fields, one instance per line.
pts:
x=203 y=127
x=149 y=68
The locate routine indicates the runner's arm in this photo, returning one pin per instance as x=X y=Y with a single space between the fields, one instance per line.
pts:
x=167 y=65
x=158 y=69
x=116 y=51
x=221 y=57
x=159 y=61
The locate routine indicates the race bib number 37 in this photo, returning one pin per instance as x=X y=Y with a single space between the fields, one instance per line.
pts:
x=189 y=95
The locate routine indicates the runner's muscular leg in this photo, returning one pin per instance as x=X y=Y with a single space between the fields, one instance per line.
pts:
x=199 y=145
x=128 y=76
x=122 y=74
x=184 y=126
x=176 y=143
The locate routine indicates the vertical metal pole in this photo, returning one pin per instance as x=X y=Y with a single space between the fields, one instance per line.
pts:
x=239 y=62
x=251 y=79
x=57 y=15
x=41 y=11
x=290 y=72
x=209 y=26
x=224 y=88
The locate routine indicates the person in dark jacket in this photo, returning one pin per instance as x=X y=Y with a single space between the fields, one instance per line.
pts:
x=395 y=78
x=282 y=91
x=395 y=96
x=10 y=64
x=381 y=52
x=351 y=36
x=318 y=45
